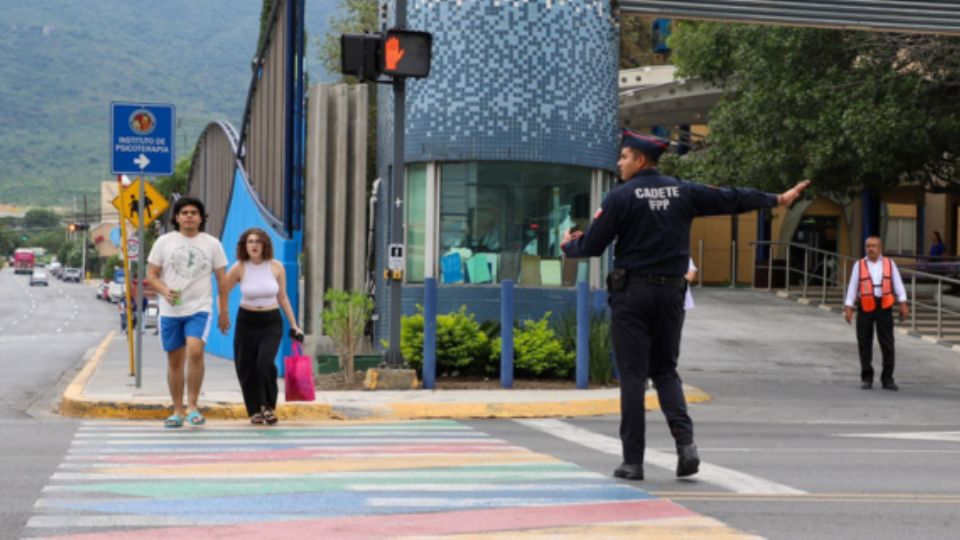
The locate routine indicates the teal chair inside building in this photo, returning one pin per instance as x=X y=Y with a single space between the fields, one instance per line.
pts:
x=478 y=269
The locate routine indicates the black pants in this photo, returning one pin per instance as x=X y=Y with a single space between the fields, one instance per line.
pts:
x=255 y=344
x=883 y=320
x=647 y=321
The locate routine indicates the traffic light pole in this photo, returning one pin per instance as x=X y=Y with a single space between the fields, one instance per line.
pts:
x=394 y=357
x=141 y=268
x=83 y=248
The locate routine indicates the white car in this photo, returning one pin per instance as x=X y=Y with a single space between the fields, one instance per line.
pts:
x=39 y=277
x=115 y=291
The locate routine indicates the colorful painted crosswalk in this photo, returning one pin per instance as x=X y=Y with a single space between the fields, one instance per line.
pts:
x=418 y=479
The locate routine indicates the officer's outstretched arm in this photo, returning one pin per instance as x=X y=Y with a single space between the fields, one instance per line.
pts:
x=599 y=235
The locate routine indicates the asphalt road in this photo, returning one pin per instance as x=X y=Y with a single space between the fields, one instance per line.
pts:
x=792 y=447
x=44 y=334
x=824 y=458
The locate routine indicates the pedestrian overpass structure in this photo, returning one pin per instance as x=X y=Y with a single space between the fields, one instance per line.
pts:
x=909 y=16
x=252 y=177
x=255 y=176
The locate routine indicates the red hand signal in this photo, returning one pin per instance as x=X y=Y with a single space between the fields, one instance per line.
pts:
x=394 y=52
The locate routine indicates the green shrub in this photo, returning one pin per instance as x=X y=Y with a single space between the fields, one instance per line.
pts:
x=462 y=345
x=537 y=351
x=601 y=364
x=601 y=347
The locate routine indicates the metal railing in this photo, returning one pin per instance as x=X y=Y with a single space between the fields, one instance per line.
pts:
x=829 y=270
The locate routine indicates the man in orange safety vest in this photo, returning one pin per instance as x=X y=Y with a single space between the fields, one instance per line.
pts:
x=874 y=281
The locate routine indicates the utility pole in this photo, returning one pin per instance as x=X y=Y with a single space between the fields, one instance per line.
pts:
x=83 y=248
x=394 y=356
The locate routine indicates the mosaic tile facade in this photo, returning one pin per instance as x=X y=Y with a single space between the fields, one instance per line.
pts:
x=519 y=80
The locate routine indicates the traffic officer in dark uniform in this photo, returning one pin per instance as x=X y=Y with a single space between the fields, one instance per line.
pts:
x=649 y=216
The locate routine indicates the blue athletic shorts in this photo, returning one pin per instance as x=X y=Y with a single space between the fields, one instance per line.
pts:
x=174 y=331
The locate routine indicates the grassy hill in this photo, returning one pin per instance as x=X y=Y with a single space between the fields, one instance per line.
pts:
x=65 y=61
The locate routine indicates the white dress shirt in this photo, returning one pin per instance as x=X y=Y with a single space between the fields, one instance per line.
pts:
x=876 y=276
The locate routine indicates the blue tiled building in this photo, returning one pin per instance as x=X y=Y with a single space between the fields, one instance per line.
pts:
x=511 y=140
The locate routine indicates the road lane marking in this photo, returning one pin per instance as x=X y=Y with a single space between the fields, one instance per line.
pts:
x=735 y=481
x=49 y=522
x=466 y=485
x=898 y=498
x=947 y=436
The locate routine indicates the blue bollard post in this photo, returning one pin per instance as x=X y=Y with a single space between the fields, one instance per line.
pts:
x=429 y=332
x=506 y=333
x=583 y=334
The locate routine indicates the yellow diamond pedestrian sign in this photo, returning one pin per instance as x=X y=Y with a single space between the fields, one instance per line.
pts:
x=131 y=207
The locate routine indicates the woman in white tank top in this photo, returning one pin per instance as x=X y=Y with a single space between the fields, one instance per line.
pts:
x=259 y=326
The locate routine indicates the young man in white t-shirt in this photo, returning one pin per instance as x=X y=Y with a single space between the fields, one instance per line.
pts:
x=179 y=268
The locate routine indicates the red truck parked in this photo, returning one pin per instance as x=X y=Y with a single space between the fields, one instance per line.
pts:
x=23 y=261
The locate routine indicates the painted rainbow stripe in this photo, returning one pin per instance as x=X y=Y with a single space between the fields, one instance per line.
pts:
x=361 y=480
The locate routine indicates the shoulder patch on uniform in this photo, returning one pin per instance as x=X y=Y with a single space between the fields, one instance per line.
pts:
x=598 y=213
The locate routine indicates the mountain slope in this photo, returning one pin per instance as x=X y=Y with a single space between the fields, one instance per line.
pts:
x=64 y=61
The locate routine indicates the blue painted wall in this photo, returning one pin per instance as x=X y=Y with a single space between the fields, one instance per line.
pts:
x=244 y=213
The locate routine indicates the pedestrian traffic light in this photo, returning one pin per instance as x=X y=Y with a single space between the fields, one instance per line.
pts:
x=359 y=55
x=406 y=53
x=397 y=53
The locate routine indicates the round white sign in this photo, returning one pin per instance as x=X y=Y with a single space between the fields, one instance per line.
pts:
x=133 y=247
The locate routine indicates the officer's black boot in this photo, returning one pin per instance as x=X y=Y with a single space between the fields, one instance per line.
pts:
x=629 y=471
x=688 y=460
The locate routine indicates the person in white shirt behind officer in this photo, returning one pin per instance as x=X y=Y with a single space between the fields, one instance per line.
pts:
x=874 y=281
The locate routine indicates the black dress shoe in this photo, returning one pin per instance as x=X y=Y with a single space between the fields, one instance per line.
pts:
x=890 y=386
x=688 y=460
x=867 y=385
x=629 y=471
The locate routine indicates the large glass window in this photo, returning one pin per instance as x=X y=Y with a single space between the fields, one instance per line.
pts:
x=901 y=236
x=505 y=220
x=416 y=221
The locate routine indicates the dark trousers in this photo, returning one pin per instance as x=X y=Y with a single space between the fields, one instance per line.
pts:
x=883 y=320
x=255 y=344
x=646 y=324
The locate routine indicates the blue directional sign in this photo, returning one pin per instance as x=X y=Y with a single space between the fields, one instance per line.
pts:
x=141 y=138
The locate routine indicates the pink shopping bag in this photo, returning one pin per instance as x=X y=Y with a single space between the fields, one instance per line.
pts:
x=298 y=377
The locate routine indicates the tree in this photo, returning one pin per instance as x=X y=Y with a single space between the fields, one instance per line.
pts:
x=849 y=109
x=344 y=320
x=357 y=16
x=264 y=21
x=41 y=218
x=177 y=182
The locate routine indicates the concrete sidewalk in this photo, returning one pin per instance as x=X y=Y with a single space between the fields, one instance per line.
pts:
x=105 y=389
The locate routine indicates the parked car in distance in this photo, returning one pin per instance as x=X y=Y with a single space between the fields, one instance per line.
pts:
x=151 y=316
x=115 y=291
x=39 y=277
x=103 y=291
x=72 y=274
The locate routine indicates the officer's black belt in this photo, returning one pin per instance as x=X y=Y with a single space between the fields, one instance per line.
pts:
x=673 y=281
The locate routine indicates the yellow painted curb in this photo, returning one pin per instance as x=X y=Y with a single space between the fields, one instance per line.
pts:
x=73 y=404
x=72 y=400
